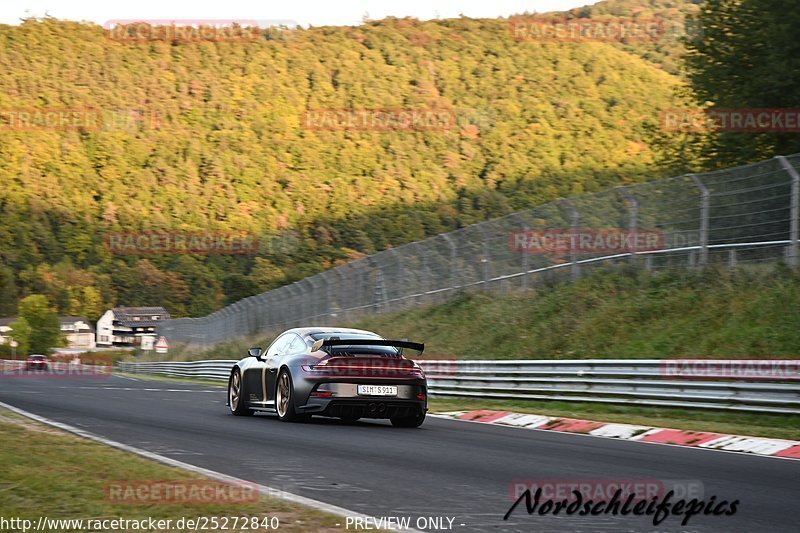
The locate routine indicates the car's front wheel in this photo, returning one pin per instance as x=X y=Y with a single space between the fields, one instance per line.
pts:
x=284 y=399
x=236 y=396
x=414 y=421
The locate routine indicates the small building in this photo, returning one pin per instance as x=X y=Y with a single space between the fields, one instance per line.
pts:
x=129 y=326
x=78 y=331
x=5 y=329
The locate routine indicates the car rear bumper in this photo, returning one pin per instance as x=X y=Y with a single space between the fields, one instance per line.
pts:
x=411 y=400
x=365 y=408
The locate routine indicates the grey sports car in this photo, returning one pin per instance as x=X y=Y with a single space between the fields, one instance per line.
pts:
x=334 y=372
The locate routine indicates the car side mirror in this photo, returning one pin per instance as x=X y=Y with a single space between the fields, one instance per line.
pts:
x=254 y=352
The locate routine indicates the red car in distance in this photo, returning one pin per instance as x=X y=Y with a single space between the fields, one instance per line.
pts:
x=37 y=362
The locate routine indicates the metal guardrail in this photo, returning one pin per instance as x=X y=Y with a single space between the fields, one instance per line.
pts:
x=611 y=381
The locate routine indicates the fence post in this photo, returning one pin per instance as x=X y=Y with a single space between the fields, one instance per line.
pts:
x=705 y=200
x=485 y=256
x=335 y=304
x=313 y=297
x=291 y=306
x=632 y=217
x=524 y=253
x=237 y=317
x=325 y=292
x=452 y=245
x=379 y=294
x=794 y=211
x=575 y=268
x=401 y=274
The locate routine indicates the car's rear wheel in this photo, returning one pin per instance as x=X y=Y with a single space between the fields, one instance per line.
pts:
x=236 y=395
x=414 y=421
x=284 y=399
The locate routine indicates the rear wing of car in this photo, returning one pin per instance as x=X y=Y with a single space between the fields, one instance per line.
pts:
x=368 y=342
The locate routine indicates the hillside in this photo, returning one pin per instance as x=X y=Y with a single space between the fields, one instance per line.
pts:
x=666 y=53
x=209 y=135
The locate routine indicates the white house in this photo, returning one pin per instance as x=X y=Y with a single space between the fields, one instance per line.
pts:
x=5 y=329
x=78 y=331
x=129 y=326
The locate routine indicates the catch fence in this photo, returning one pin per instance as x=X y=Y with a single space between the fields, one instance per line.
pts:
x=731 y=217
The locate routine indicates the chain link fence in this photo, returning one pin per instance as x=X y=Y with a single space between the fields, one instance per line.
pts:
x=743 y=215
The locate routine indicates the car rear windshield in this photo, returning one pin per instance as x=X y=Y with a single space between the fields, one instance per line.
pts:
x=378 y=351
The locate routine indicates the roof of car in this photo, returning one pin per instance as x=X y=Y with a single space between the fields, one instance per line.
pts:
x=344 y=331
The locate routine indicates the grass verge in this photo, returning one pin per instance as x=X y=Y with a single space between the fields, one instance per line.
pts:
x=753 y=424
x=618 y=314
x=45 y=472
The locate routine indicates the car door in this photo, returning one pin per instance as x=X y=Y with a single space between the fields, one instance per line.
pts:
x=293 y=344
x=256 y=377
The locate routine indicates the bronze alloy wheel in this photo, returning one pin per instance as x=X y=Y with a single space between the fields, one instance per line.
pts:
x=234 y=391
x=283 y=395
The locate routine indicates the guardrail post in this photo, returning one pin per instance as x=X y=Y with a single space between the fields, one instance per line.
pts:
x=794 y=211
x=575 y=268
x=732 y=258
x=705 y=201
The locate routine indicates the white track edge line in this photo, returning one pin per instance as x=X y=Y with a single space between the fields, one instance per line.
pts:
x=265 y=490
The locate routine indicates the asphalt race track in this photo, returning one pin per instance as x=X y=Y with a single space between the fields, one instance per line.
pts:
x=446 y=468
